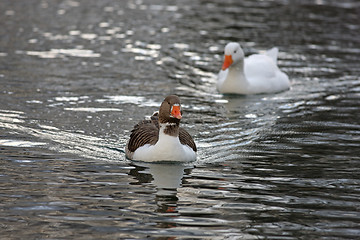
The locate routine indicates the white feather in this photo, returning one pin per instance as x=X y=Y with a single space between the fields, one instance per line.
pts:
x=167 y=148
x=255 y=74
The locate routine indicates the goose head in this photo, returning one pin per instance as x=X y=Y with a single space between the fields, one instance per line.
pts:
x=170 y=110
x=233 y=54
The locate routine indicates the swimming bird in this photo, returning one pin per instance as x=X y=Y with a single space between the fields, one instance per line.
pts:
x=255 y=74
x=161 y=138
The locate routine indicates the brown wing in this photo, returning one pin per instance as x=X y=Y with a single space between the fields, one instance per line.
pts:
x=185 y=138
x=145 y=132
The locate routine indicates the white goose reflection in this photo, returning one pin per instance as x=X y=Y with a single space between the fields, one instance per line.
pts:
x=166 y=177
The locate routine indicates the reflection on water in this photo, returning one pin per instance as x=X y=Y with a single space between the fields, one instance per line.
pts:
x=17 y=143
x=166 y=178
x=77 y=75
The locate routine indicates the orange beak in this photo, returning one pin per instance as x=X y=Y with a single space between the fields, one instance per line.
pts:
x=227 y=62
x=176 y=111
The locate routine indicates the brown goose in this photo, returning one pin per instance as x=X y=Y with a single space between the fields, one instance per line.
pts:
x=161 y=138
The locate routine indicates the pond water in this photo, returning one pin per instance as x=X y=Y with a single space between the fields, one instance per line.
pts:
x=77 y=75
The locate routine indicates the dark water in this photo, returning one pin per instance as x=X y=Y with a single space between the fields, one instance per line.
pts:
x=76 y=75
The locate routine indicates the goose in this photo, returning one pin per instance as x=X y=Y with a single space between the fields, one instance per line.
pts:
x=255 y=74
x=160 y=138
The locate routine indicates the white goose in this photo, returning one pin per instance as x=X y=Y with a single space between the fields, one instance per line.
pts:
x=255 y=74
x=161 y=138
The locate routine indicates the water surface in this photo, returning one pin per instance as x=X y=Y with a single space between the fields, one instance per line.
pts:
x=77 y=75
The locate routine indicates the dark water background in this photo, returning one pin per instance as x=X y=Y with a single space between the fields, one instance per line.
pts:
x=76 y=75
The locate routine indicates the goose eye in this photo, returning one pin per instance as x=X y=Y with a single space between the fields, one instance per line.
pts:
x=235 y=51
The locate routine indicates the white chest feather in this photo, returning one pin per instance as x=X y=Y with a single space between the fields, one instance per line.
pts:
x=167 y=148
